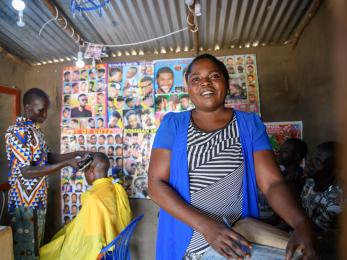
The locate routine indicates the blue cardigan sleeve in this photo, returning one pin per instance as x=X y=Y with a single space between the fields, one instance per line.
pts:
x=164 y=137
x=260 y=138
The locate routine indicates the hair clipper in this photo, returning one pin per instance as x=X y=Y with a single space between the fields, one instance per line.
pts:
x=83 y=165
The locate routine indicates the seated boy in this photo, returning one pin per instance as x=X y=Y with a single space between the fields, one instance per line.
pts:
x=322 y=197
x=105 y=213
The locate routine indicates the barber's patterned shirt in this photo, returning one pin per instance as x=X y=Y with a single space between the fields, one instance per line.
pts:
x=324 y=207
x=25 y=145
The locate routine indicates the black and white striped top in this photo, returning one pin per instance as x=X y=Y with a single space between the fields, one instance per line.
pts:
x=216 y=166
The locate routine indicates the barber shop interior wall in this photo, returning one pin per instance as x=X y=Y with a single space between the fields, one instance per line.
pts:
x=294 y=85
x=314 y=77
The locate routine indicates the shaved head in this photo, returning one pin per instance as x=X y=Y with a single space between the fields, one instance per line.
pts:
x=101 y=161
x=98 y=169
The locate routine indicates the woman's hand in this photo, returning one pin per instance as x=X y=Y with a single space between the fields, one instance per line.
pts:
x=225 y=241
x=302 y=239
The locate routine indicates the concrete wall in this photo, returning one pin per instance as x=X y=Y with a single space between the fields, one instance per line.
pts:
x=294 y=85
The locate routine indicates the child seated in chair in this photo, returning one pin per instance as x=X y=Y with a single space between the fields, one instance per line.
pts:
x=105 y=213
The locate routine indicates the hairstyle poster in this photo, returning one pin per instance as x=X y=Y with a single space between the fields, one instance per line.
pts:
x=279 y=132
x=136 y=154
x=84 y=98
x=243 y=93
x=171 y=93
x=169 y=76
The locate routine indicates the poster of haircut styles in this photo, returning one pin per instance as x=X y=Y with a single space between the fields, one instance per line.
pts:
x=136 y=154
x=73 y=184
x=279 y=132
x=243 y=92
x=169 y=75
x=171 y=93
x=84 y=98
x=130 y=87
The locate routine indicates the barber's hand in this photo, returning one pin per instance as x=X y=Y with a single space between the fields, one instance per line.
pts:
x=83 y=153
x=302 y=239
x=73 y=162
x=225 y=241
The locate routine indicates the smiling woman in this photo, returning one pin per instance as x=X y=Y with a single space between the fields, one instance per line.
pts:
x=205 y=166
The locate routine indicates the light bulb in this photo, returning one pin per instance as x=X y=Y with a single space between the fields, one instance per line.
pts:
x=18 y=5
x=80 y=64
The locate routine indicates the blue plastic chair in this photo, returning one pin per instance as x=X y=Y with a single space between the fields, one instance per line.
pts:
x=118 y=249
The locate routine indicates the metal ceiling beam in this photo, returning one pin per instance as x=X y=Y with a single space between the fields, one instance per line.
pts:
x=306 y=20
x=63 y=22
x=193 y=27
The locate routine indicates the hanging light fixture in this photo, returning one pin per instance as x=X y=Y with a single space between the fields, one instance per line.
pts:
x=19 y=6
x=80 y=62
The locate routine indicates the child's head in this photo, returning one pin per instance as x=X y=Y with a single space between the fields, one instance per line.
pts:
x=322 y=163
x=98 y=168
x=165 y=80
x=292 y=151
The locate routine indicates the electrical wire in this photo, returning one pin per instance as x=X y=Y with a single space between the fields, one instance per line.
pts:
x=50 y=20
x=84 y=43
x=142 y=42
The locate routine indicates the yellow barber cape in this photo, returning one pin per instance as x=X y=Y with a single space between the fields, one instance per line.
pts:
x=105 y=213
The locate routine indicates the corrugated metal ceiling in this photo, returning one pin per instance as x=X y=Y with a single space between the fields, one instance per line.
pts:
x=223 y=24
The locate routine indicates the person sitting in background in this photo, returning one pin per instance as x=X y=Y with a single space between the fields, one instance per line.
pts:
x=321 y=196
x=291 y=154
x=104 y=214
